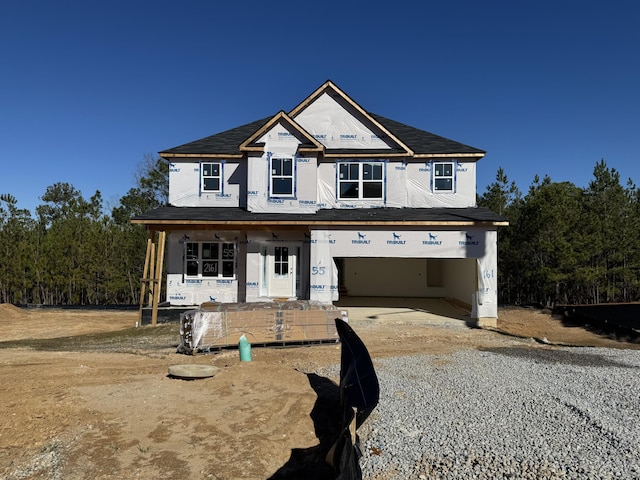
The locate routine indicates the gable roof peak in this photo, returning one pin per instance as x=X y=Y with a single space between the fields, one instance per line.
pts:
x=309 y=143
x=328 y=85
x=344 y=99
x=404 y=139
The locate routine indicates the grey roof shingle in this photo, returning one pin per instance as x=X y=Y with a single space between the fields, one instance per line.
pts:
x=357 y=216
x=227 y=142
x=420 y=141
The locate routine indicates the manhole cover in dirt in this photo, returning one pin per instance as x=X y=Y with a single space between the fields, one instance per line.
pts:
x=192 y=372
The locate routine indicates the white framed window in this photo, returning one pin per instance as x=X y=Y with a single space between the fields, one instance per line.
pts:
x=211 y=177
x=210 y=259
x=360 y=180
x=444 y=177
x=281 y=177
x=281 y=261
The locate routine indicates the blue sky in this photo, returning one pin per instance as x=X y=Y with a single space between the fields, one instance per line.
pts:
x=88 y=88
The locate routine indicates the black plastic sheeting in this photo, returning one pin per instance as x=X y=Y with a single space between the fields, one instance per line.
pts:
x=359 y=392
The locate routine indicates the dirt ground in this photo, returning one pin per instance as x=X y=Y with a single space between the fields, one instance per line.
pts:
x=87 y=395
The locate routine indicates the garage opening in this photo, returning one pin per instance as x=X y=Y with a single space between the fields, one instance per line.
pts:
x=407 y=277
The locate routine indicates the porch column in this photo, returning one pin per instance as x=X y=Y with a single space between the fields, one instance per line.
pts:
x=486 y=297
x=323 y=284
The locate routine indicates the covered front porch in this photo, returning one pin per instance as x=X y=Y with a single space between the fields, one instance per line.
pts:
x=246 y=257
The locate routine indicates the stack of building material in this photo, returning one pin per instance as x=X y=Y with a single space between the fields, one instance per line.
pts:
x=275 y=323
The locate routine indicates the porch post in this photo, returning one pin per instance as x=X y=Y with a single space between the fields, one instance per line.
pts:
x=324 y=274
x=486 y=296
x=157 y=280
x=152 y=274
x=145 y=273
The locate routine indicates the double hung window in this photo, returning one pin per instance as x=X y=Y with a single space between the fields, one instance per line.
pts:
x=210 y=259
x=360 y=180
x=444 y=176
x=281 y=177
x=211 y=177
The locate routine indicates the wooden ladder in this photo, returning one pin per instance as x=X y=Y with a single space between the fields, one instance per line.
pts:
x=151 y=281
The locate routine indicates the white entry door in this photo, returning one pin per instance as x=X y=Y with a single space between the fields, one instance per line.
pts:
x=281 y=270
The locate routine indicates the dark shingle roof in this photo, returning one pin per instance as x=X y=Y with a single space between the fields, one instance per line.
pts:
x=420 y=141
x=357 y=216
x=226 y=142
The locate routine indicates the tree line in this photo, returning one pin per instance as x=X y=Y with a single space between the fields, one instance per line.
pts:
x=564 y=244
x=72 y=252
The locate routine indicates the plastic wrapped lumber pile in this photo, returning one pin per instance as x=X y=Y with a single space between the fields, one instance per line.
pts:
x=220 y=325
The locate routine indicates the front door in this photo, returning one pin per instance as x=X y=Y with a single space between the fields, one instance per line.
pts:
x=281 y=270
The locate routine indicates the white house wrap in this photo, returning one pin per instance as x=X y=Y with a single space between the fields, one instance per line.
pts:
x=323 y=201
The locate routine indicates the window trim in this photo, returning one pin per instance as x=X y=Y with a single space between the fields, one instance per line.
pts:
x=361 y=180
x=220 y=177
x=220 y=259
x=270 y=158
x=434 y=177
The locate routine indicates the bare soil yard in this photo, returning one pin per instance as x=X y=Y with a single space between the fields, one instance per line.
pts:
x=87 y=395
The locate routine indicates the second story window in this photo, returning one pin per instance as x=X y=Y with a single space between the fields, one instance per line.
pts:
x=210 y=259
x=211 y=177
x=444 y=176
x=360 y=180
x=281 y=177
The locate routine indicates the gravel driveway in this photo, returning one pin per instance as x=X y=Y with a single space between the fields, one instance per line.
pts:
x=506 y=413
